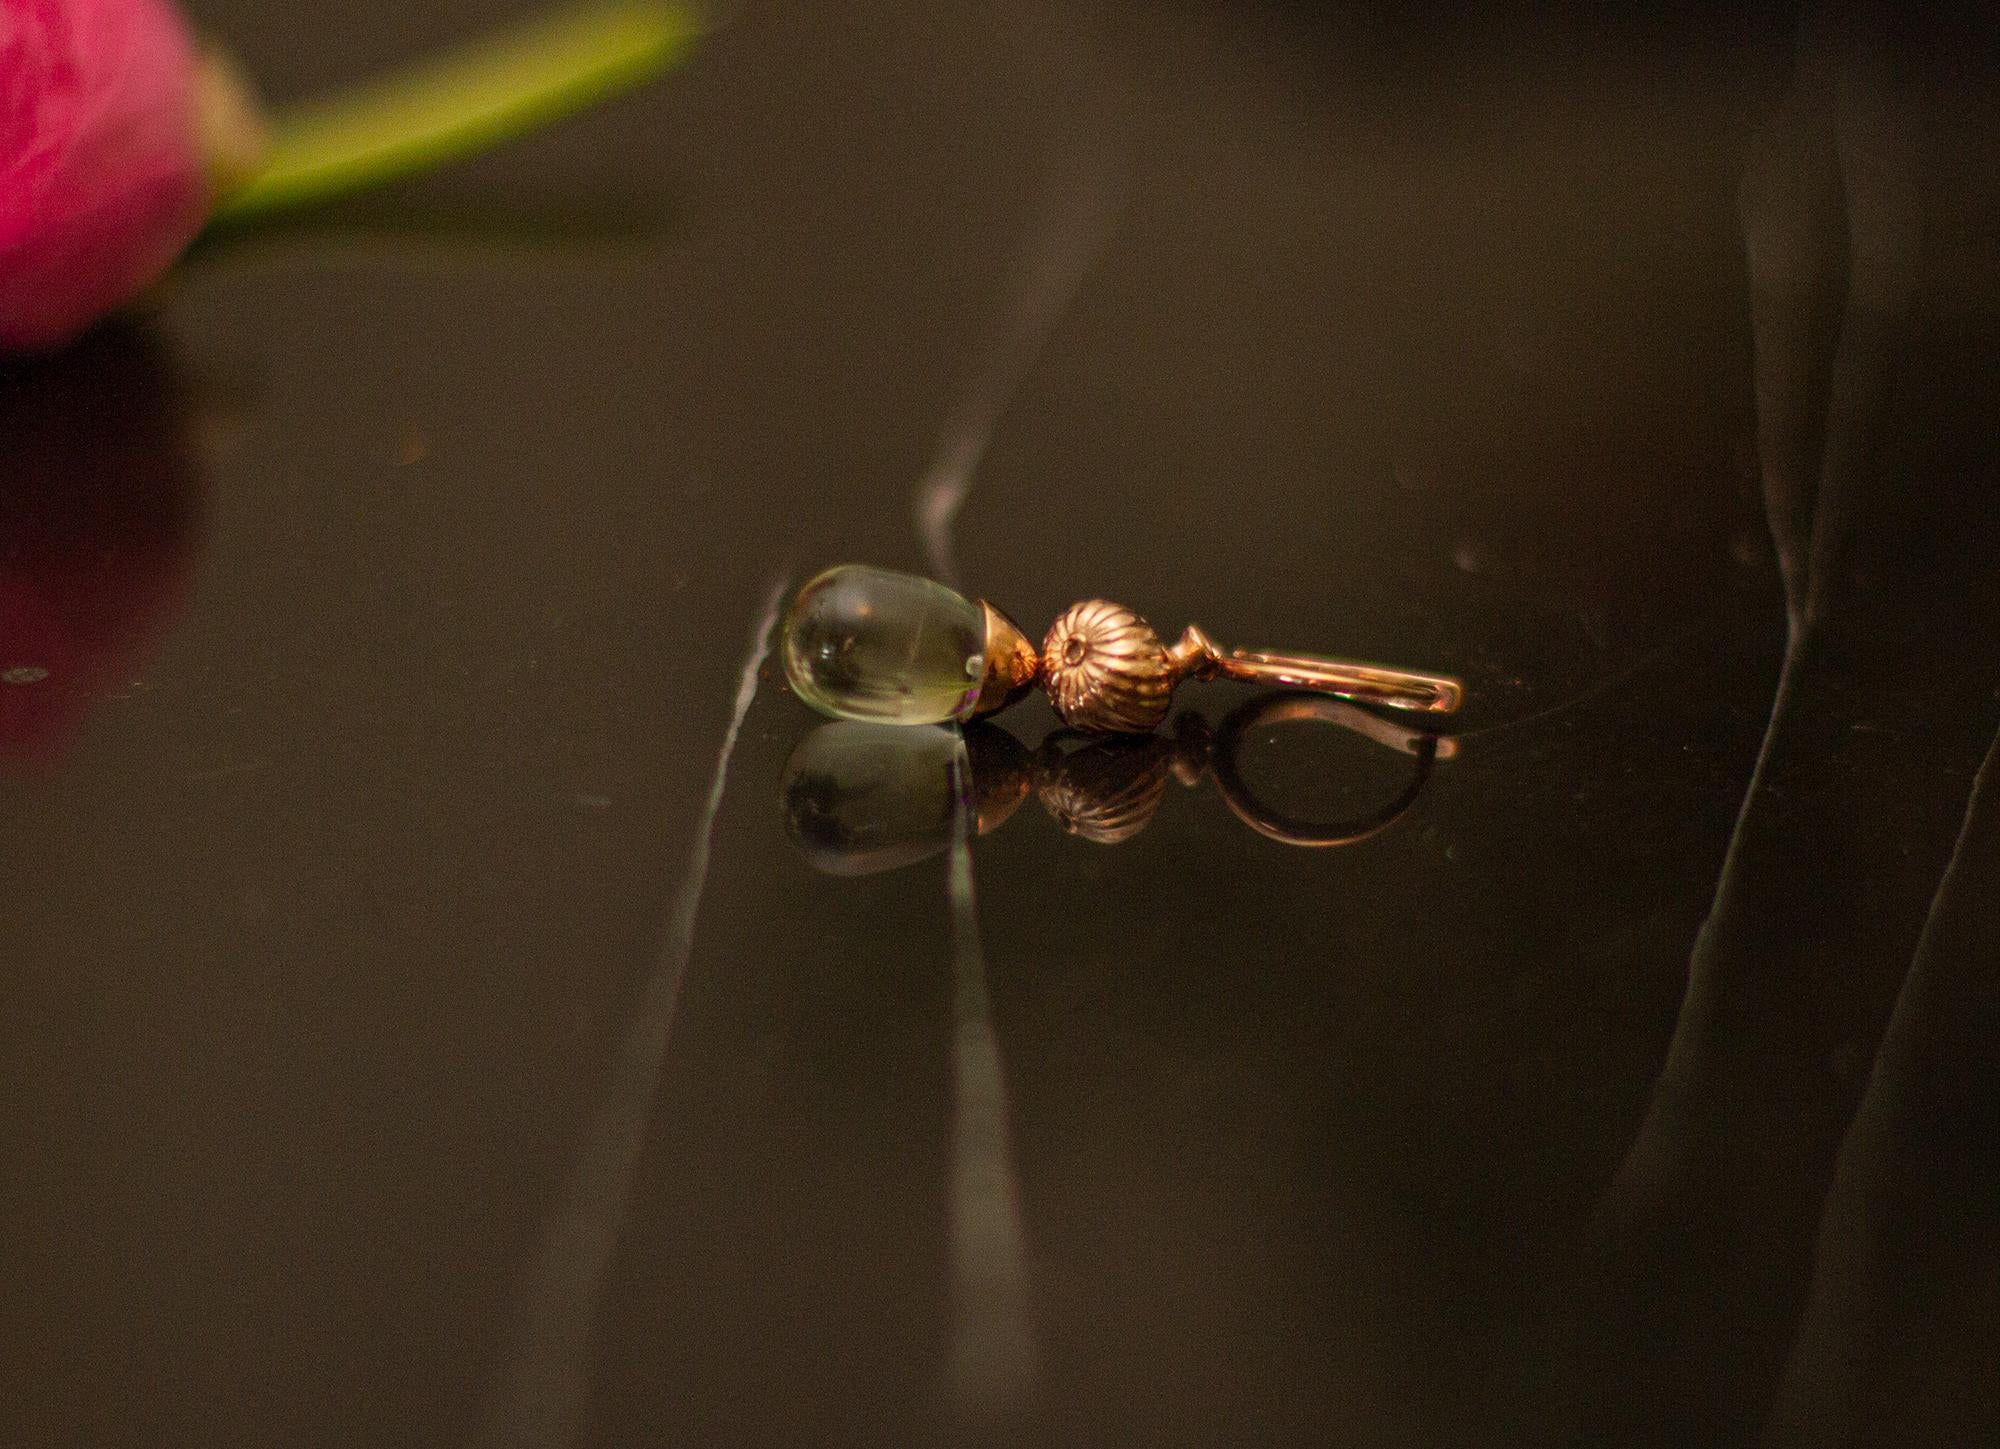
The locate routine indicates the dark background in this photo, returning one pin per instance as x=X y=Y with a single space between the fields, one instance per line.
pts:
x=392 y=579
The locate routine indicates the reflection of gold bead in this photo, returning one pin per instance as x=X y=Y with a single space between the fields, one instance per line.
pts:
x=1106 y=791
x=1105 y=669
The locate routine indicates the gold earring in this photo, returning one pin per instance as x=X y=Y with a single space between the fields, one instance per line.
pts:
x=870 y=644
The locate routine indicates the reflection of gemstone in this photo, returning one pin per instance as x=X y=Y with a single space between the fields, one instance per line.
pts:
x=866 y=797
x=859 y=798
x=868 y=644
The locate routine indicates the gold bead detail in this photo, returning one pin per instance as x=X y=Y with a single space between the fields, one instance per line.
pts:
x=1105 y=668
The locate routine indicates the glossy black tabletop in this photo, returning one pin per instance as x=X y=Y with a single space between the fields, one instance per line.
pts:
x=446 y=1003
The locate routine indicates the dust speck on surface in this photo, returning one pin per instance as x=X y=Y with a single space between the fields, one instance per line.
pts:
x=23 y=674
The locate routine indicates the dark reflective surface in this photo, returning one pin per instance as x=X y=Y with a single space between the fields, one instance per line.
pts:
x=414 y=1038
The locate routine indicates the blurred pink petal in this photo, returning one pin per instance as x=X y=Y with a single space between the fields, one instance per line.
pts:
x=101 y=498
x=102 y=182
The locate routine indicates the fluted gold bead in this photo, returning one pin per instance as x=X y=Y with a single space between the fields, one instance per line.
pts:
x=1105 y=668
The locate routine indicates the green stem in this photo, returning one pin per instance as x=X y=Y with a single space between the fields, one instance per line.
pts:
x=462 y=103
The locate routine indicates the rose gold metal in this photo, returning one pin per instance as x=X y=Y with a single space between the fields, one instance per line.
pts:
x=1287 y=709
x=1012 y=665
x=1105 y=668
x=1203 y=658
x=1347 y=678
x=996 y=773
x=1291 y=708
x=1107 y=788
x=995 y=803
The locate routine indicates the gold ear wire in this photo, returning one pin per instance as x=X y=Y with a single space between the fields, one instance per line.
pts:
x=1105 y=668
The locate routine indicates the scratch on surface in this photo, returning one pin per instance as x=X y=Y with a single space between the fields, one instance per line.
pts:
x=993 y=1357
x=994 y=1362
x=544 y=1393
x=1083 y=201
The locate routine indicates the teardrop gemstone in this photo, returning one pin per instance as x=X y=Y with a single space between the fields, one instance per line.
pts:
x=871 y=644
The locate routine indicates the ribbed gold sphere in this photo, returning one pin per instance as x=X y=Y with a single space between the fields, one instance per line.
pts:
x=1105 y=669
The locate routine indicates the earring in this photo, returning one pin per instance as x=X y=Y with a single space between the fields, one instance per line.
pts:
x=870 y=644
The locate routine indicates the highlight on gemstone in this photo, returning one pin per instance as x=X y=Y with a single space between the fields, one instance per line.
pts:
x=872 y=644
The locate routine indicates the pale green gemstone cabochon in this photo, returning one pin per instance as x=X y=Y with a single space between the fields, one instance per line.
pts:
x=872 y=644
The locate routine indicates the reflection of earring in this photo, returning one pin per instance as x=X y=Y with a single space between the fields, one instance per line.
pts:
x=861 y=798
x=1108 y=789
x=869 y=644
x=1290 y=708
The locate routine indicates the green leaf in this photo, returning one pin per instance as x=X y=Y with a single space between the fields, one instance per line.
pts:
x=462 y=103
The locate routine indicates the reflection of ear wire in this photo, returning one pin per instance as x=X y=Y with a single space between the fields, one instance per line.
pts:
x=1290 y=830
x=1107 y=788
x=860 y=796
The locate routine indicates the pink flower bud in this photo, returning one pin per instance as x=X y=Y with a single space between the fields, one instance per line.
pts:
x=102 y=179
